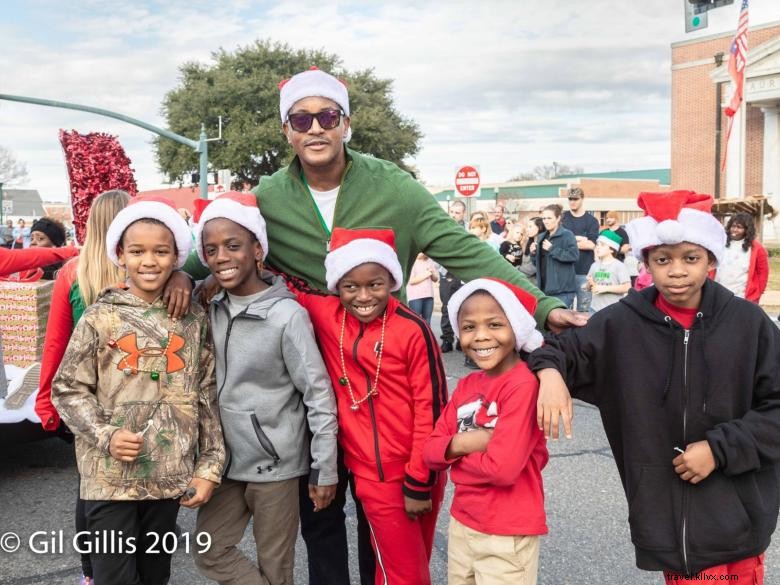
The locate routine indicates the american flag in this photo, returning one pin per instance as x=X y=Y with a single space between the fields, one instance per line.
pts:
x=738 y=59
x=737 y=62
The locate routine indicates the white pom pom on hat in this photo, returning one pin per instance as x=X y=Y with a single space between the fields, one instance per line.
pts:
x=238 y=207
x=352 y=247
x=673 y=217
x=518 y=305
x=150 y=207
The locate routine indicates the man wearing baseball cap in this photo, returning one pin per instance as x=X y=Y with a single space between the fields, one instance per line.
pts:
x=328 y=185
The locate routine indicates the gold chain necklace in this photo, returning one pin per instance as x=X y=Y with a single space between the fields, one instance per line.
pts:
x=344 y=380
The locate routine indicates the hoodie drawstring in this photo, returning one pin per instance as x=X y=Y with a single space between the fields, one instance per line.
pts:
x=672 y=355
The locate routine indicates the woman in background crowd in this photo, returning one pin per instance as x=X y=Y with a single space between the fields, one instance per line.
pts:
x=556 y=252
x=48 y=233
x=745 y=267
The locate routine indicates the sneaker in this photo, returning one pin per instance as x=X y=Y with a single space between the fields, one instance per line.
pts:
x=446 y=346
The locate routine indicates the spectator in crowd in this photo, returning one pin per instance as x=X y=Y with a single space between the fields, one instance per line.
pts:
x=608 y=278
x=481 y=228
x=585 y=228
x=533 y=227
x=48 y=233
x=450 y=283
x=745 y=267
x=612 y=223
x=498 y=225
x=512 y=247
x=419 y=290
x=21 y=235
x=7 y=234
x=556 y=254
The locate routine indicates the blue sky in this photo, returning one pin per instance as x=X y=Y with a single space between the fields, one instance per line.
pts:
x=502 y=84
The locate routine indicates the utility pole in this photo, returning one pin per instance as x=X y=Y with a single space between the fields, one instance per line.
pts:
x=201 y=146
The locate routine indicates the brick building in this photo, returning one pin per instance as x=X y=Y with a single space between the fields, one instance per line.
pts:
x=701 y=88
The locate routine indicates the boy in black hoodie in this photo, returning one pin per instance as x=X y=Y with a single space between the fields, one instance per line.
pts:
x=696 y=436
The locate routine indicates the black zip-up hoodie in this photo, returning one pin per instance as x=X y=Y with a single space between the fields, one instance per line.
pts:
x=659 y=387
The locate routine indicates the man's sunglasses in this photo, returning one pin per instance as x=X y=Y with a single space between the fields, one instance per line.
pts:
x=327 y=119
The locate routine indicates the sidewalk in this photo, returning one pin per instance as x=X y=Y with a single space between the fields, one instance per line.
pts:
x=770 y=301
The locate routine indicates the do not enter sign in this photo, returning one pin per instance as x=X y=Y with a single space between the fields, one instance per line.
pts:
x=467 y=181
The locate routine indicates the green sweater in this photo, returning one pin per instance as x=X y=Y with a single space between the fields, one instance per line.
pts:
x=376 y=193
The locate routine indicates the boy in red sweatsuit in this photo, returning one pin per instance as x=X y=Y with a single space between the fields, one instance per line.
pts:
x=488 y=436
x=390 y=387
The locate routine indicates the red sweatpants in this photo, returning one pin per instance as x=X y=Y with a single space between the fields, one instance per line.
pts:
x=750 y=571
x=402 y=546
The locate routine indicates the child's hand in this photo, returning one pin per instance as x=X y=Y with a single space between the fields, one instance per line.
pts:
x=553 y=403
x=416 y=508
x=469 y=442
x=177 y=294
x=696 y=463
x=125 y=445
x=203 y=490
x=597 y=289
x=322 y=496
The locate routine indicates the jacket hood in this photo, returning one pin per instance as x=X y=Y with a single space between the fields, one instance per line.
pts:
x=278 y=290
x=122 y=297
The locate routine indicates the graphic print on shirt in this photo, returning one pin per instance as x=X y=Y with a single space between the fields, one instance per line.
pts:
x=477 y=413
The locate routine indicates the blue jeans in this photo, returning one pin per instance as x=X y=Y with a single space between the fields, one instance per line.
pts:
x=423 y=307
x=567 y=298
x=583 y=296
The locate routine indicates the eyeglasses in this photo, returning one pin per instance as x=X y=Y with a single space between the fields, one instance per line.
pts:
x=327 y=119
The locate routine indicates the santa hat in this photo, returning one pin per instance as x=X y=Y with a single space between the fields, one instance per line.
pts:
x=150 y=207
x=352 y=247
x=240 y=208
x=312 y=83
x=611 y=239
x=674 y=217
x=518 y=305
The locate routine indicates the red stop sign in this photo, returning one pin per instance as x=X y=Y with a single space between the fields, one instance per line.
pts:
x=467 y=181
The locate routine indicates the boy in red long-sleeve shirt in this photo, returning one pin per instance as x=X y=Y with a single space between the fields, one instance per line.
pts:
x=390 y=387
x=488 y=435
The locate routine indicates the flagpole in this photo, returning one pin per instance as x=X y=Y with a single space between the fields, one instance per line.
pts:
x=742 y=147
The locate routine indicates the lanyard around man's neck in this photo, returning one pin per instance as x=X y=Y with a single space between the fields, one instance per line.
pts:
x=316 y=207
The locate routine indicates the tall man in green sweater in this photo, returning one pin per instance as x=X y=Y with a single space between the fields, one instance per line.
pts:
x=328 y=185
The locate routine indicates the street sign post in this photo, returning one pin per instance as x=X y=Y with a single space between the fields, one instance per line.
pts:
x=467 y=181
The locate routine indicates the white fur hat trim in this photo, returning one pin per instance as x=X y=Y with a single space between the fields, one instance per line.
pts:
x=361 y=251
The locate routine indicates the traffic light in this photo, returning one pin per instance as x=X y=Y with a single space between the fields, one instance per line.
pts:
x=695 y=20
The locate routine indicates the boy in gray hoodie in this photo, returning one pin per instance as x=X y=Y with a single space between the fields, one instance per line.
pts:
x=271 y=380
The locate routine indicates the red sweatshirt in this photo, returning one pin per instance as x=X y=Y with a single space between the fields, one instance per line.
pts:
x=16 y=260
x=59 y=326
x=499 y=491
x=383 y=439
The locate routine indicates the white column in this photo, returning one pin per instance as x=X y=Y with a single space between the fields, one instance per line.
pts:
x=771 y=187
x=736 y=154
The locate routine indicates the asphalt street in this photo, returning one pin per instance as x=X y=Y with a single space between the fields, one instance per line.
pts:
x=588 y=541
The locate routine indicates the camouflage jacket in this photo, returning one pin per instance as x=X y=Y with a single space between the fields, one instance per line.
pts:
x=129 y=366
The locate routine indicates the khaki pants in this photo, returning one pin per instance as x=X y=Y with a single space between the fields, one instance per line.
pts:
x=274 y=509
x=488 y=559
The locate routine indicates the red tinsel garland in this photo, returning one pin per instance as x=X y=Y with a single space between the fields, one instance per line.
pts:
x=96 y=162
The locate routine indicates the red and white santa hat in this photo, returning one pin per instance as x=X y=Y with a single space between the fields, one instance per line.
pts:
x=518 y=305
x=311 y=83
x=150 y=207
x=352 y=247
x=674 y=217
x=238 y=207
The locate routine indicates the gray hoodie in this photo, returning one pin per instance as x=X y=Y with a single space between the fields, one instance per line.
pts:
x=270 y=380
